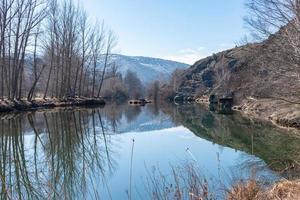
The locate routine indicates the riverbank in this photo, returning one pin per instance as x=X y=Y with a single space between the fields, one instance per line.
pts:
x=24 y=105
x=279 y=112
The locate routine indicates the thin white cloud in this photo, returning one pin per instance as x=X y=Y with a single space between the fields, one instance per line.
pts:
x=225 y=46
x=189 y=56
x=192 y=55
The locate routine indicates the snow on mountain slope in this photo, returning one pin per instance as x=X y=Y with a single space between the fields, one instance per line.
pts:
x=148 y=69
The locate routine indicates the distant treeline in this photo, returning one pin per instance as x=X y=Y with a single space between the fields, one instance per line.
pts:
x=120 y=87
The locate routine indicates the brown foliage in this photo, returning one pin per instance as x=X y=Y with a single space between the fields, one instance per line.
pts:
x=252 y=190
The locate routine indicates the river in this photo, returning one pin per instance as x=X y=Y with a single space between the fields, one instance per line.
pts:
x=125 y=152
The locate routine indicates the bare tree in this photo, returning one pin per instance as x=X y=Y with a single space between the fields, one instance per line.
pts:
x=6 y=17
x=111 y=42
x=17 y=23
x=36 y=73
x=97 y=45
x=133 y=84
x=153 y=90
x=268 y=16
x=279 y=21
x=52 y=27
x=84 y=32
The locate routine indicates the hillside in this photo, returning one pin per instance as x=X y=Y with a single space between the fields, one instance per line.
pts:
x=262 y=84
x=148 y=69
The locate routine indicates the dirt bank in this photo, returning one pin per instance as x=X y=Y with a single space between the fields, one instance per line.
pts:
x=24 y=105
x=280 y=112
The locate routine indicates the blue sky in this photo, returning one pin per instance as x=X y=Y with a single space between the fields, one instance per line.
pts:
x=182 y=30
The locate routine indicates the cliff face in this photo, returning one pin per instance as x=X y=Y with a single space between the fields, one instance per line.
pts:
x=255 y=70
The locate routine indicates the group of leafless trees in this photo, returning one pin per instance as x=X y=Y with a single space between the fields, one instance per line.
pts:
x=121 y=86
x=51 y=48
x=160 y=90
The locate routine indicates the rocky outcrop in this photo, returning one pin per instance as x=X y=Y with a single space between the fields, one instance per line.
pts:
x=218 y=74
x=254 y=70
x=250 y=70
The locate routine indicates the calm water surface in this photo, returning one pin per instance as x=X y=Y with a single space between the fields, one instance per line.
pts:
x=90 y=153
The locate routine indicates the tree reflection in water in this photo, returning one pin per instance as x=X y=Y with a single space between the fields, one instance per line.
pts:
x=57 y=162
x=277 y=148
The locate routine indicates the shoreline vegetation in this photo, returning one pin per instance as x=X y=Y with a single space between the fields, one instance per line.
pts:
x=187 y=182
x=7 y=106
x=243 y=190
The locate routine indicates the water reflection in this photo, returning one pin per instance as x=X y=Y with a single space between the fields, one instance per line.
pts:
x=53 y=155
x=85 y=153
x=278 y=148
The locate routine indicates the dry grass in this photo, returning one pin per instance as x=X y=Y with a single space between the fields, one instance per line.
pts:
x=283 y=190
x=187 y=183
x=244 y=191
x=184 y=183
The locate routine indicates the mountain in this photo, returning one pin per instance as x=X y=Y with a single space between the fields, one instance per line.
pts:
x=148 y=69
